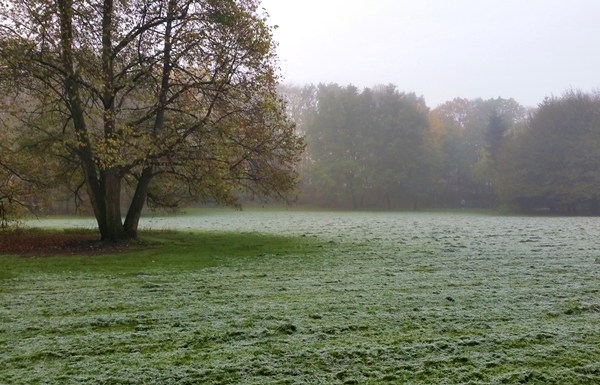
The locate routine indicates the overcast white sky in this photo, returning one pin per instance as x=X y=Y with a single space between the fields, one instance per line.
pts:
x=441 y=49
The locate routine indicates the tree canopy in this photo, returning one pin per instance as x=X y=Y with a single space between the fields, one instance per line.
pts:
x=554 y=161
x=382 y=148
x=170 y=100
x=365 y=148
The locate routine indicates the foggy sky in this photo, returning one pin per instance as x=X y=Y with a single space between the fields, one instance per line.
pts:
x=441 y=49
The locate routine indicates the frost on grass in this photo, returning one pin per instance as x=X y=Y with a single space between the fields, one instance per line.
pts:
x=394 y=298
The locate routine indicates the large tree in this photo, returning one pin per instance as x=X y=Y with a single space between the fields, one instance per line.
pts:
x=171 y=99
x=364 y=148
x=554 y=161
x=467 y=135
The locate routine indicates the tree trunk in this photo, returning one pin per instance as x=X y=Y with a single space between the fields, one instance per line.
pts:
x=141 y=192
x=96 y=186
x=113 y=229
x=110 y=178
x=137 y=203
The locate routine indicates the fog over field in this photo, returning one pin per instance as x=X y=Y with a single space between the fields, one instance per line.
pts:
x=423 y=178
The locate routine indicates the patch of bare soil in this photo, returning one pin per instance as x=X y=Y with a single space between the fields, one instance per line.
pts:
x=38 y=244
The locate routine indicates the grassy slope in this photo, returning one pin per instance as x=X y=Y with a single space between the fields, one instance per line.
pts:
x=249 y=308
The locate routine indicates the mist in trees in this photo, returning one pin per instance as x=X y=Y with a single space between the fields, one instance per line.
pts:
x=380 y=148
x=471 y=133
x=364 y=146
x=553 y=162
x=164 y=103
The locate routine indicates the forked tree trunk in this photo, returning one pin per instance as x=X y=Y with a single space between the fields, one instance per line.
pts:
x=106 y=203
x=103 y=187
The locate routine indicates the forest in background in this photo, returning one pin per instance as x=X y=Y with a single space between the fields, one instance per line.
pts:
x=110 y=109
x=380 y=148
x=383 y=149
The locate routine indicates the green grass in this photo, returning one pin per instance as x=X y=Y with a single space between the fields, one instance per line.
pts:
x=161 y=250
x=230 y=308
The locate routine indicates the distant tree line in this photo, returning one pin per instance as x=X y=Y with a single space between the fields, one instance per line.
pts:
x=380 y=148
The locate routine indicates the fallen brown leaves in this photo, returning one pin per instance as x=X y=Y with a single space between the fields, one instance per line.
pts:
x=36 y=243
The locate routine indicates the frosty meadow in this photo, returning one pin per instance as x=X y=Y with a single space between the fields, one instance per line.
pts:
x=286 y=297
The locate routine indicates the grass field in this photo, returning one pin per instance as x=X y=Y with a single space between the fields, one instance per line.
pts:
x=313 y=298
